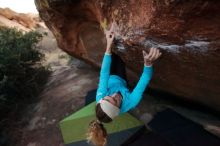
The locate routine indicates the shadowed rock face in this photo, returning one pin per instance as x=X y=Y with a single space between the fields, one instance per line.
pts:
x=186 y=31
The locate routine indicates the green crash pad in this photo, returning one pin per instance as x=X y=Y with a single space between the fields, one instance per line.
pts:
x=74 y=127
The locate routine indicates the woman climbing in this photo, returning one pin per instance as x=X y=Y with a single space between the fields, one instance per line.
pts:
x=113 y=97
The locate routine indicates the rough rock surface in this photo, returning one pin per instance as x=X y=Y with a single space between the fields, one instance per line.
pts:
x=22 y=21
x=187 y=32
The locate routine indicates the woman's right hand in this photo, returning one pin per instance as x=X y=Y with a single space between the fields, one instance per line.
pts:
x=109 y=37
x=151 y=57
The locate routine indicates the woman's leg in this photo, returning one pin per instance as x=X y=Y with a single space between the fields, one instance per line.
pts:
x=118 y=67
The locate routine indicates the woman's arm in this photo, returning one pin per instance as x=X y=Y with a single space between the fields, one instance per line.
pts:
x=145 y=78
x=106 y=65
x=104 y=76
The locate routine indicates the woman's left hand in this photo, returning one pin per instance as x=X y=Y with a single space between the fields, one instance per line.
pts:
x=151 y=57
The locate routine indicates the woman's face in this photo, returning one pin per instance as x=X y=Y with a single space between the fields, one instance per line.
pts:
x=114 y=99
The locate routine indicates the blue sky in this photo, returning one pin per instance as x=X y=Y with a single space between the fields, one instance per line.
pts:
x=22 y=6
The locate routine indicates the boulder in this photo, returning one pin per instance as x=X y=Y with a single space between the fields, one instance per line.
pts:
x=187 y=33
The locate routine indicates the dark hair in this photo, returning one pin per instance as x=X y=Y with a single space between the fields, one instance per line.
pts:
x=101 y=115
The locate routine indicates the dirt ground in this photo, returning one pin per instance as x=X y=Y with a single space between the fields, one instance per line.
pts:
x=65 y=95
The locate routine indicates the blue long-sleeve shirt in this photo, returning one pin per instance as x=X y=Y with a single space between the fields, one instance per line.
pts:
x=110 y=84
